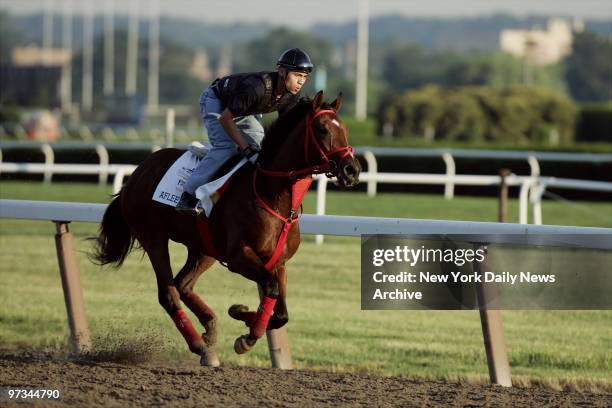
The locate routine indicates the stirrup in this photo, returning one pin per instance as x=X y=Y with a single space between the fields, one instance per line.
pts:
x=189 y=210
x=188 y=204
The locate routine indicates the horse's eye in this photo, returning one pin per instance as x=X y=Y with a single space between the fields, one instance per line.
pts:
x=321 y=129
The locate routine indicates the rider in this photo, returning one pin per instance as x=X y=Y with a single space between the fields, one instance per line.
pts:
x=231 y=108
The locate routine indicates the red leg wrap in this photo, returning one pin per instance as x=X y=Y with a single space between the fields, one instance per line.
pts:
x=191 y=336
x=264 y=313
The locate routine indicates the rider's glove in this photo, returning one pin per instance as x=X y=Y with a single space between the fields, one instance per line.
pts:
x=251 y=153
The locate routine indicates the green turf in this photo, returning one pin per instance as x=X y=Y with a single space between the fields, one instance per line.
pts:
x=421 y=206
x=327 y=329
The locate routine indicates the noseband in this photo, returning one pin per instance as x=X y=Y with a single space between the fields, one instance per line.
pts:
x=331 y=166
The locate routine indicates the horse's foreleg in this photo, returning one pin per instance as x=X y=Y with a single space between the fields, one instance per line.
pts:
x=281 y=315
x=259 y=323
x=169 y=297
x=249 y=265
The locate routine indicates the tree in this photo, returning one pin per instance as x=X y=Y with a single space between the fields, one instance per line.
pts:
x=409 y=67
x=262 y=53
x=589 y=68
x=9 y=38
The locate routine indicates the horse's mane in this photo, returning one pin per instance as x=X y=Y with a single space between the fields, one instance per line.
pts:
x=277 y=131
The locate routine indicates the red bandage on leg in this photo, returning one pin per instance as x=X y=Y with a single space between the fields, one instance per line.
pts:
x=191 y=336
x=264 y=313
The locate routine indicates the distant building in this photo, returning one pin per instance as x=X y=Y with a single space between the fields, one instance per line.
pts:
x=33 y=55
x=200 y=67
x=34 y=77
x=225 y=62
x=541 y=47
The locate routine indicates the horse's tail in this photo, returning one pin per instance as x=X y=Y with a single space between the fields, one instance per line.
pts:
x=115 y=240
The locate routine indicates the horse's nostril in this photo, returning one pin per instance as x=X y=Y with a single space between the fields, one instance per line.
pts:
x=349 y=170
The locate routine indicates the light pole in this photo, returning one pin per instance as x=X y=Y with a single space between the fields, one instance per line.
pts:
x=153 y=80
x=132 y=51
x=361 y=100
x=87 y=84
x=109 y=48
x=66 y=81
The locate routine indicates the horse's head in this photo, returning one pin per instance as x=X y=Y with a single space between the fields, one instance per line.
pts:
x=327 y=142
x=309 y=139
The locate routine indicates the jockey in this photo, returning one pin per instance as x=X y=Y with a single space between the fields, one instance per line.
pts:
x=232 y=108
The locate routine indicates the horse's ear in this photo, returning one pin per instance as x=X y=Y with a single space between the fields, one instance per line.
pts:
x=337 y=103
x=317 y=101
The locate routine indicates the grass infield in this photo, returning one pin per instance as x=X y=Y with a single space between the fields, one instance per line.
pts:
x=327 y=329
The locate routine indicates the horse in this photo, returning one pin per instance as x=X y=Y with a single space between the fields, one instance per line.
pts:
x=252 y=228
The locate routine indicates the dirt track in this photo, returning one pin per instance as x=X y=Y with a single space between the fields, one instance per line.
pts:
x=96 y=384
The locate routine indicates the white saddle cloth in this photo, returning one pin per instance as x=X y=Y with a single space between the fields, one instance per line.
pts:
x=170 y=187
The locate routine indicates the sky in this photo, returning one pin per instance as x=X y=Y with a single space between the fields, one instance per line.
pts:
x=307 y=12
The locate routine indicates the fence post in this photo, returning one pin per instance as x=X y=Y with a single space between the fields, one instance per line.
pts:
x=373 y=170
x=73 y=294
x=49 y=160
x=449 y=187
x=278 y=344
x=170 y=123
x=321 y=193
x=103 y=161
x=492 y=328
x=536 y=192
x=534 y=166
x=503 y=195
x=118 y=180
x=524 y=201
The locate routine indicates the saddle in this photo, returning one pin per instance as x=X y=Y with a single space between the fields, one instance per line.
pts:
x=170 y=187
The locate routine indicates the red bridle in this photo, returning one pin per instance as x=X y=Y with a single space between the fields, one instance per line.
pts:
x=300 y=182
x=326 y=165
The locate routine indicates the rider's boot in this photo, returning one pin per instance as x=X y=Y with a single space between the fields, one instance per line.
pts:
x=188 y=204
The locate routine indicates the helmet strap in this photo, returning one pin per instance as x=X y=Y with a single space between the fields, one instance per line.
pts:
x=283 y=77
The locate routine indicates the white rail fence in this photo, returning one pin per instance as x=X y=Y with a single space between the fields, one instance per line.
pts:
x=370 y=155
x=532 y=188
x=499 y=370
x=119 y=171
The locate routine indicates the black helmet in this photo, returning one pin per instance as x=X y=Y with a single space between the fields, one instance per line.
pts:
x=295 y=59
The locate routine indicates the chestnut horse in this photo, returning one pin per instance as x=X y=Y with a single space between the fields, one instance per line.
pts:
x=252 y=227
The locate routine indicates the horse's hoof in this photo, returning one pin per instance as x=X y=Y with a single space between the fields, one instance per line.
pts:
x=209 y=358
x=241 y=345
x=235 y=310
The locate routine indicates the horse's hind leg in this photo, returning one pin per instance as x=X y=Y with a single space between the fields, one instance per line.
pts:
x=195 y=265
x=169 y=297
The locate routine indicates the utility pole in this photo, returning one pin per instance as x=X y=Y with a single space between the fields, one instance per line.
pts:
x=132 y=51
x=66 y=81
x=109 y=48
x=47 y=40
x=87 y=92
x=153 y=82
x=361 y=100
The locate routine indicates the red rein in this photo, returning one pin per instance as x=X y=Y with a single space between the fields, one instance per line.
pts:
x=299 y=186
